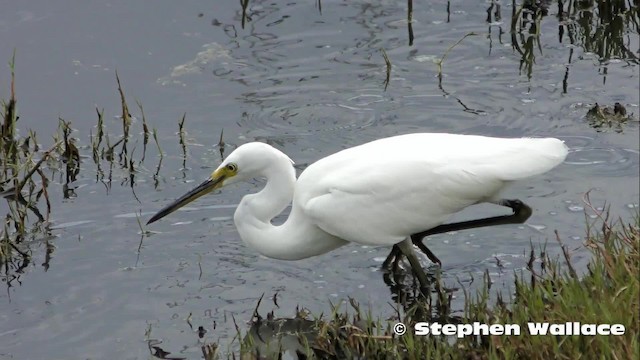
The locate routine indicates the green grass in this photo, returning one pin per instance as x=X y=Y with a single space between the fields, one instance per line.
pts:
x=551 y=290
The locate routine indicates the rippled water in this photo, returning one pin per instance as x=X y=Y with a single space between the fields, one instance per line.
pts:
x=310 y=83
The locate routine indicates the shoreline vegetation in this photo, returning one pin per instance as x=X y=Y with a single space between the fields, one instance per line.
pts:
x=550 y=292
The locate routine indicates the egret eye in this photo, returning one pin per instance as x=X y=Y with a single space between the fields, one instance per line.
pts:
x=232 y=167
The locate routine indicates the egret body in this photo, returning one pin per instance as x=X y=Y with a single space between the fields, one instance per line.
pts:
x=379 y=193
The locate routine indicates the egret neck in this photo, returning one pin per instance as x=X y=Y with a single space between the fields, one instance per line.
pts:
x=297 y=238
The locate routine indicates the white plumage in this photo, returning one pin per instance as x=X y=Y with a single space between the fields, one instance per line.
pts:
x=378 y=193
x=391 y=188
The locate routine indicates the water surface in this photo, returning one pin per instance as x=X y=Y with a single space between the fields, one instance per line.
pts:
x=310 y=83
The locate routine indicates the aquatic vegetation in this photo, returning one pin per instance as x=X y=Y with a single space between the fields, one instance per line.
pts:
x=27 y=196
x=550 y=290
x=27 y=172
x=388 y=67
x=603 y=118
x=603 y=28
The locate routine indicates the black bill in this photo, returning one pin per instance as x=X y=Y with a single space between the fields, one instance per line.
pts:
x=206 y=187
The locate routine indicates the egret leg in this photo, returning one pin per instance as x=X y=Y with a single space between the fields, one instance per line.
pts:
x=393 y=257
x=406 y=246
x=417 y=241
x=396 y=259
x=396 y=254
x=521 y=212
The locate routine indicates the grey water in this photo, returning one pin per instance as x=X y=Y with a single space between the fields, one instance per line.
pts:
x=309 y=81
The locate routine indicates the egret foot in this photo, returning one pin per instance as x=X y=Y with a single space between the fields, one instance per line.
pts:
x=521 y=212
x=396 y=254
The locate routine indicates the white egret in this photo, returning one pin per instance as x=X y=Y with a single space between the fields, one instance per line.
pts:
x=378 y=193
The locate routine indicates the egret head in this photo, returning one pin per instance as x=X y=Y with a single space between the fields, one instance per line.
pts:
x=247 y=161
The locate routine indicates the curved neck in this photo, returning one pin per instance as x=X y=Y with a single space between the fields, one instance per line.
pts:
x=297 y=238
x=274 y=197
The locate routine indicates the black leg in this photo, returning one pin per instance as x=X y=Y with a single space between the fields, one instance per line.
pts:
x=395 y=251
x=521 y=212
x=417 y=241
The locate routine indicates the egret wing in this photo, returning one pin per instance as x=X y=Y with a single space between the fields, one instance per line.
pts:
x=381 y=192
